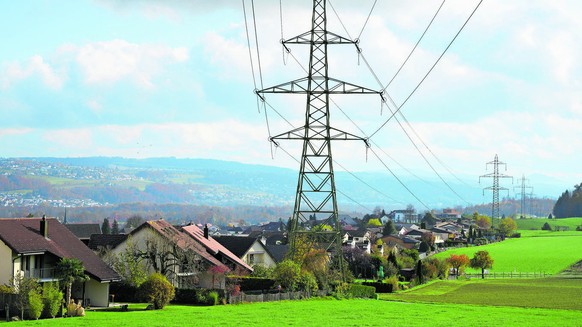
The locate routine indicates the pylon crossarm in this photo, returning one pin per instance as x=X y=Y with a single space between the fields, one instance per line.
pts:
x=319 y=37
x=335 y=134
x=335 y=86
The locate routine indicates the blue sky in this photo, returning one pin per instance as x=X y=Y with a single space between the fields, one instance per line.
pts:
x=147 y=78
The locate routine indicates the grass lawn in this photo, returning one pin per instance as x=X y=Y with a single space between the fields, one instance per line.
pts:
x=549 y=293
x=535 y=223
x=326 y=313
x=535 y=251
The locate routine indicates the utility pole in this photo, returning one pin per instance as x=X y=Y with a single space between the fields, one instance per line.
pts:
x=316 y=192
x=495 y=188
x=523 y=194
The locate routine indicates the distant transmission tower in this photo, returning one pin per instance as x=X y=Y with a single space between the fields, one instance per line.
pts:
x=495 y=188
x=316 y=192
x=523 y=194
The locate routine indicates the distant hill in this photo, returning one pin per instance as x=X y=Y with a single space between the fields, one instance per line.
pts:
x=115 y=180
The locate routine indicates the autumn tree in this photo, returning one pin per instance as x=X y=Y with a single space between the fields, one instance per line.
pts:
x=458 y=262
x=483 y=221
x=374 y=222
x=481 y=260
x=507 y=226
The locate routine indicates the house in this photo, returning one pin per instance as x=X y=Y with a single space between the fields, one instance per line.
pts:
x=101 y=243
x=217 y=250
x=403 y=216
x=449 y=214
x=278 y=251
x=185 y=262
x=84 y=231
x=400 y=242
x=34 y=246
x=358 y=238
x=250 y=250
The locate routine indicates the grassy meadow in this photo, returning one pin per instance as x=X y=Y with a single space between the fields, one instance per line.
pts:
x=325 y=312
x=535 y=223
x=536 y=251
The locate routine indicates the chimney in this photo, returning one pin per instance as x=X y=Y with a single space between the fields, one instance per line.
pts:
x=44 y=227
x=205 y=231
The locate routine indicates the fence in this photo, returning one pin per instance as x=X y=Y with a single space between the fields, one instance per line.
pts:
x=496 y=275
x=270 y=297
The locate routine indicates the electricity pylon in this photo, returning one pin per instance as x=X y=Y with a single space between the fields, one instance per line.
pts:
x=495 y=188
x=315 y=198
x=522 y=193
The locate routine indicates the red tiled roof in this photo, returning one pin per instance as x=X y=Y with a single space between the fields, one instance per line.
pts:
x=213 y=246
x=182 y=240
x=23 y=235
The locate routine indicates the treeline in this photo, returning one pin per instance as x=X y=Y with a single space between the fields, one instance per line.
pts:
x=569 y=204
x=540 y=207
x=176 y=213
x=17 y=182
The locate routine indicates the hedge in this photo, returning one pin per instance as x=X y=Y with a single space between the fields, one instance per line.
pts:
x=252 y=283
x=198 y=296
x=362 y=291
x=380 y=287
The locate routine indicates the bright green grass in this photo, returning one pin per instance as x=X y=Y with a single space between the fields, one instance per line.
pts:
x=327 y=313
x=549 y=293
x=544 y=253
x=524 y=224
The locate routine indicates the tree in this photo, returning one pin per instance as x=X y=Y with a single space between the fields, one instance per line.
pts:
x=429 y=219
x=507 y=226
x=105 y=227
x=70 y=270
x=53 y=297
x=458 y=262
x=546 y=226
x=388 y=228
x=128 y=264
x=115 y=227
x=157 y=290
x=484 y=222
x=481 y=260
x=287 y=274
x=374 y=222
x=134 y=221
x=419 y=273
x=35 y=302
x=429 y=238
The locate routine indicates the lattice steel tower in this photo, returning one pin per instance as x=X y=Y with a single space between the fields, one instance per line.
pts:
x=495 y=188
x=523 y=194
x=316 y=192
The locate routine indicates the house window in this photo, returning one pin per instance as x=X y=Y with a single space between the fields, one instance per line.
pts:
x=251 y=258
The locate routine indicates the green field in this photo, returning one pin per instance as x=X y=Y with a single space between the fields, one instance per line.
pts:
x=549 y=293
x=528 y=224
x=535 y=251
x=327 y=313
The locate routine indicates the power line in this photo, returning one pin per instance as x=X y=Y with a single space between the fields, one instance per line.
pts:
x=429 y=71
x=367 y=19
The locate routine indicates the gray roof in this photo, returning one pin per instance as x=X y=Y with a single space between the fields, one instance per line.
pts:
x=84 y=231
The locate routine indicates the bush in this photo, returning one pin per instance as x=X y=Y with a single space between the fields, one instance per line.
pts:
x=262 y=271
x=362 y=291
x=53 y=298
x=157 y=290
x=34 y=303
x=212 y=298
x=341 y=290
x=307 y=282
x=124 y=292
x=392 y=280
x=546 y=226
x=253 y=283
x=481 y=241
x=515 y=235
x=287 y=274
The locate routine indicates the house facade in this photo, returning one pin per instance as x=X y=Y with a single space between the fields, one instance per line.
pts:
x=32 y=247
x=174 y=254
x=250 y=250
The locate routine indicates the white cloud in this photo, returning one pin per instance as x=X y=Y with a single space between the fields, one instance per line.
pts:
x=110 y=61
x=35 y=66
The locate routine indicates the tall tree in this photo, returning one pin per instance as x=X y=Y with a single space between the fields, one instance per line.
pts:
x=115 y=227
x=388 y=228
x=507 y=226
x=134 y=221
x=481 y=260
x=70 y=270
x=105 y=227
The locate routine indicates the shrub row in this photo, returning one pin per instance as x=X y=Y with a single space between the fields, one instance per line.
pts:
x=198 y=296
x=362 y=291
x=252 y=283
x=380 y=287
